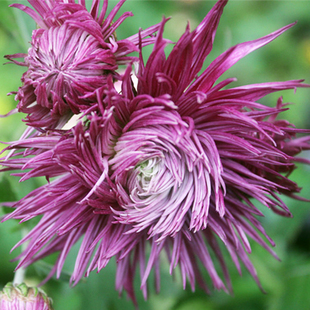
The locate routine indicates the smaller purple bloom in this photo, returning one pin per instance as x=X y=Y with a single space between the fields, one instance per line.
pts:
x=22 y=297
x=71 y=54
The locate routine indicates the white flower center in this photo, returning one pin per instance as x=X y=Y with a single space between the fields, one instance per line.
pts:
x=149 y=181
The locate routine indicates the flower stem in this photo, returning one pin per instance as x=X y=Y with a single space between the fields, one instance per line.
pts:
x=19 y=275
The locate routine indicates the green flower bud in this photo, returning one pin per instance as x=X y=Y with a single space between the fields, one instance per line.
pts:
x=22 y=297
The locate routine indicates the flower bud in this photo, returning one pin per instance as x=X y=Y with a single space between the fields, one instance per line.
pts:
x=22 y=297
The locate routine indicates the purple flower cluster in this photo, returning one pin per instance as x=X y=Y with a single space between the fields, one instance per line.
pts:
x=172 y=165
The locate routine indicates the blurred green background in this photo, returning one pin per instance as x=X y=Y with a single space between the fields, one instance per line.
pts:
x=287 y=283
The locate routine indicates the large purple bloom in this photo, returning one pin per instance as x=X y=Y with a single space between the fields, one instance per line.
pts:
x=173 y=166
x=71 y=54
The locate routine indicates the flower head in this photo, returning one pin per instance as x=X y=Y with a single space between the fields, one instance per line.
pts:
x=173 y=165
x=22 y=297
x=71 y=54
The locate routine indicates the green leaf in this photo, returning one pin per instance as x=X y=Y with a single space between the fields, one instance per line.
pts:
x=6 y=191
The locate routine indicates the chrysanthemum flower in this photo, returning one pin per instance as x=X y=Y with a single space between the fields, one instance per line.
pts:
x=176 y=166
x=71 y=54
x=22 y=297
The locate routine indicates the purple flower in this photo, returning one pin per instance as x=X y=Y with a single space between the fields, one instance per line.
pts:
x=71 y=54
x=174 y=165
x=22 y=297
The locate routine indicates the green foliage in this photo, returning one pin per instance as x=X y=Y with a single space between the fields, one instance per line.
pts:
x=6 y=191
